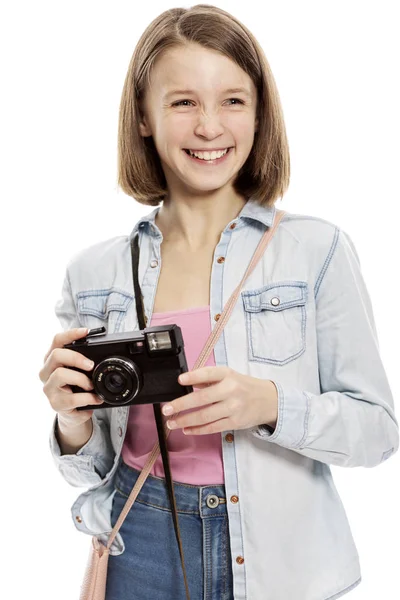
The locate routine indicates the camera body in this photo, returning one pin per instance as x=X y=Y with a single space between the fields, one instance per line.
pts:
x=137 y=367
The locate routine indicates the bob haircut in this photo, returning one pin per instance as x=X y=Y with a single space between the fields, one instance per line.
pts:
x=265 y=175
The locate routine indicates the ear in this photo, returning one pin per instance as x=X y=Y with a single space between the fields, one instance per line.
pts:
x=144 y=128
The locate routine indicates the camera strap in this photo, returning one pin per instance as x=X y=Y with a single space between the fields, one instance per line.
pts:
x=162 y=430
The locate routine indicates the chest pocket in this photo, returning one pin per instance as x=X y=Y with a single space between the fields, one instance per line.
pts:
x=103 y=308
x=276 y=321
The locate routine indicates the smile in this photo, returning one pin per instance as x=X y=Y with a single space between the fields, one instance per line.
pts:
x=208 y=158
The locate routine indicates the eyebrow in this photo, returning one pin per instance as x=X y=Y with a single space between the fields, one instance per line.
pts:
x=239 y=90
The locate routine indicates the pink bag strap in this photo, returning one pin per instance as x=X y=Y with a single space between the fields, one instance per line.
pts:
x=209 y=345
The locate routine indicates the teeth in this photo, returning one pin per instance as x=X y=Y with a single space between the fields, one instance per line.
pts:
x=209 y=155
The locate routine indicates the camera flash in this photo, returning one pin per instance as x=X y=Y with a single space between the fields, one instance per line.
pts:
x=159 y=341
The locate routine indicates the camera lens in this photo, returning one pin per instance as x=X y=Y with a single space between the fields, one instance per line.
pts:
x=114 y=382
x=117 y=380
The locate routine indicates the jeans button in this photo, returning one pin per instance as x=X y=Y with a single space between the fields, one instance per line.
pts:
x=212 y=501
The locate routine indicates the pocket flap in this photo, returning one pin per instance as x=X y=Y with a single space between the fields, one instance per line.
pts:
x=100 y=302
x=275 y=296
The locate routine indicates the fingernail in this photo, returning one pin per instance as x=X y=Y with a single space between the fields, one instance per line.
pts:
x=171 y=424
x=82 y=330
x=88 y=363
x=167 y=410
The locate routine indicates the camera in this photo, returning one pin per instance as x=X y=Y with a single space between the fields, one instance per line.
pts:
x=139 y=367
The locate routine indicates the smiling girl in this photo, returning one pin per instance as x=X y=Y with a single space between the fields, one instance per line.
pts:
x=287 y=391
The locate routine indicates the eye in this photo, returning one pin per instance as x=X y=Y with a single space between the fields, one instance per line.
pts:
x=237 y=100
x=180 y=102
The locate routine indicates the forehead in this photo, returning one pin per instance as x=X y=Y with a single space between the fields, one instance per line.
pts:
x=194 y=67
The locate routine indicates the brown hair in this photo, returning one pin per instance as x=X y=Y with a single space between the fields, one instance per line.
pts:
x=265 y=174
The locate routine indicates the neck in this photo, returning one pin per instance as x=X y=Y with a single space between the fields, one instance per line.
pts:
x=194 y=225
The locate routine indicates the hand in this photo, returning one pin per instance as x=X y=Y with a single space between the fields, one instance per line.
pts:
x=57 y=380
x=229 y=400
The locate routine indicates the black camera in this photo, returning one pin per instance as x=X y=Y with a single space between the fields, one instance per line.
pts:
x=139 y=367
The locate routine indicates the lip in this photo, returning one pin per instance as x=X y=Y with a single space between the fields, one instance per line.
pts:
x=208 y=149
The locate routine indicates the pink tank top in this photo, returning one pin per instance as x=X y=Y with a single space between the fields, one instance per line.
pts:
x=194 y=459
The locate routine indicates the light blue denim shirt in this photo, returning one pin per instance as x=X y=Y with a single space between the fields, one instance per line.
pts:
x=303 y=320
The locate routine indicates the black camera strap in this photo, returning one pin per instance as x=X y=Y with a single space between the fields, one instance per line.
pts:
x=156 y=406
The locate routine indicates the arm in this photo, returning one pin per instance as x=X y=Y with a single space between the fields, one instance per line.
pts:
x=90 y=463
x=352 y=422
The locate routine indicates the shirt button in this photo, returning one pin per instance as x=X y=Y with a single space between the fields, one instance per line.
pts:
x=154 y=263
x=78 y=518
x=220 y=260
x=145 y=320
x=275 y=301
x=229 y=437
x=232 y=226
x=217 y=316
x=120 y=431
x=234 y=499
x=239 y=560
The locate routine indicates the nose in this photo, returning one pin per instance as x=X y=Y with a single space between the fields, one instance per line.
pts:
x=209 y=126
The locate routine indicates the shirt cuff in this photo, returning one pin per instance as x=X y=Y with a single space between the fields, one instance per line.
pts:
x=85 y=467
x=291 y=424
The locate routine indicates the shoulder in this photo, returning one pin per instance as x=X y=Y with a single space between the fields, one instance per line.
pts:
x=316 y=236
x=101 y=260
x=309 y=229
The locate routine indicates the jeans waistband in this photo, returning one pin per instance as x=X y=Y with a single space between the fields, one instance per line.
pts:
x=204 y=500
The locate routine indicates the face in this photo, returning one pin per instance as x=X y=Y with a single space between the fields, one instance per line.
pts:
x=194 y=103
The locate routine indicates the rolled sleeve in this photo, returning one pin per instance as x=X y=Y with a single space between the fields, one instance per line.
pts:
x=85 y=468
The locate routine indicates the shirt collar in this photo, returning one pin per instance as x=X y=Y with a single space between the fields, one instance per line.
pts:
x=251 y=210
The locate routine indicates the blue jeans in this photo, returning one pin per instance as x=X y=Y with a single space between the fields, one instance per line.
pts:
x=150 y=566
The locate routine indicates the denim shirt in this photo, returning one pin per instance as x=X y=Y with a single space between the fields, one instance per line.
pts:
x=303 y=320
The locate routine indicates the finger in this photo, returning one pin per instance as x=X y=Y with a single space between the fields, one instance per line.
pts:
x=215 y=427
x=200 y=417
x=203 y=375
x=57 y=389
x=207 y=395
x=62 y=377
x=65 y=337
x=61 y=357
x=66 y=402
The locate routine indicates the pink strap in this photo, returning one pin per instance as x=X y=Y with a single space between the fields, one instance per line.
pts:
x=209 y=345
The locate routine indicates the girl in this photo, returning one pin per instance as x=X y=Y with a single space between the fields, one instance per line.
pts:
x=294 y=384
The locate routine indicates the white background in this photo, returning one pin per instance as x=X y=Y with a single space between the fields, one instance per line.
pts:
x=336 y=65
